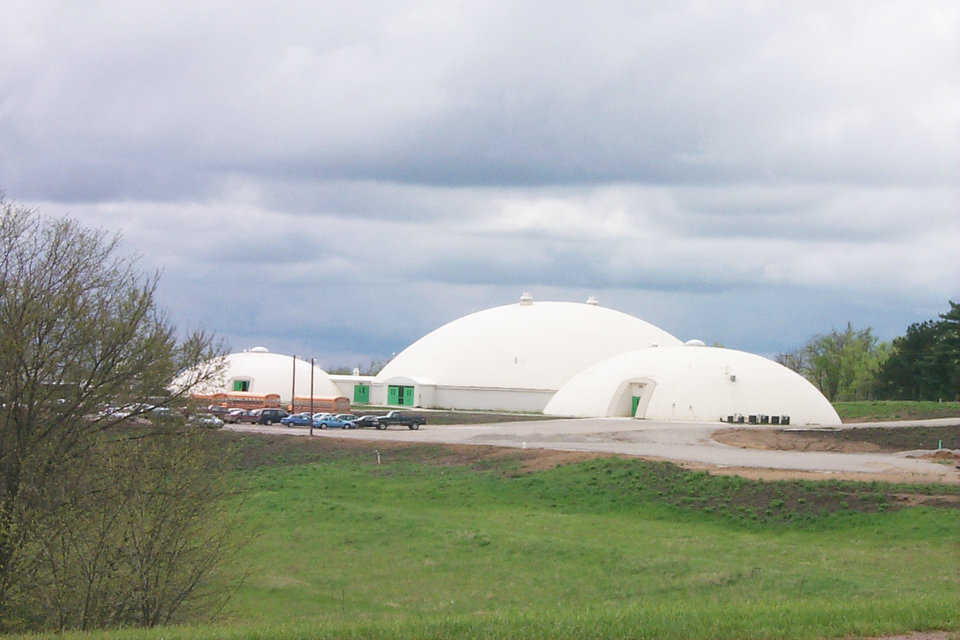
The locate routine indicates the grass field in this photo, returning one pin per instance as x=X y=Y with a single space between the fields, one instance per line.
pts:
x=868 y=410
x=428 y=545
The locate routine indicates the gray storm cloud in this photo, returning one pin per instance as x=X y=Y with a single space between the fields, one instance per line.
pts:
x=135 y=101
x=437 y=156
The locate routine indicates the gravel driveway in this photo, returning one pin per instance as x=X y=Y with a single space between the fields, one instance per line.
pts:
x=682 y=442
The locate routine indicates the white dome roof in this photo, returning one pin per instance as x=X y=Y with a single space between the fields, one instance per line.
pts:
x=272 y=373
x=531 y=345
x=705 y=383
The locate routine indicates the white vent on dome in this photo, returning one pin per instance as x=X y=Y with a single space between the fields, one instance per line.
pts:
x=593 y=300
x=259 y=350
x=695 y=343
x=526 y=298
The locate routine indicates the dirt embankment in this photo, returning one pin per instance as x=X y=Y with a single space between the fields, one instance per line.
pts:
x=260 y=449
x=865 y=440
x=776 y=440
x=255 y=450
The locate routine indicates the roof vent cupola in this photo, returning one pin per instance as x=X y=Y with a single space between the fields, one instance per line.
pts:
x=526 y=298
x=593 y=300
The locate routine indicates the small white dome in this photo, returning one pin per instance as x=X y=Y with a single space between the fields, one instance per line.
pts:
x=695 y=343
x=522 y=346
x=260 y=372
x=702 y=384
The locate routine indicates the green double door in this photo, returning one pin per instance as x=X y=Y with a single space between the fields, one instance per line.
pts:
x=361 y=393
x=400 y=395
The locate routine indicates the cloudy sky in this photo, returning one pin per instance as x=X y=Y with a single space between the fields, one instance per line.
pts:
x=336 y=179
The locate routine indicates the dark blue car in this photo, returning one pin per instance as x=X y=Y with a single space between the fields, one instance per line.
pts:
x=297 y=420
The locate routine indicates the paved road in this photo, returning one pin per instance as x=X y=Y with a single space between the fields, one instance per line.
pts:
x=687 y=442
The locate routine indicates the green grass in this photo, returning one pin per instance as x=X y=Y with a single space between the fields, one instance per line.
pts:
x=607 y=548
x=753 y=618
x=895 y=410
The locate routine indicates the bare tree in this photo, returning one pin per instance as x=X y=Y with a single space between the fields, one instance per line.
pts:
x=137 y=536
x=83 y=347
x=795 y=360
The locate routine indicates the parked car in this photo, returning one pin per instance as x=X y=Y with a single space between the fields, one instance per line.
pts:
x=268 y=416
x=207 y=420
x=332 y=422
x=366 y=421
x=235 y=416
x=113 y=411
x=304 y=419
x=162 y=413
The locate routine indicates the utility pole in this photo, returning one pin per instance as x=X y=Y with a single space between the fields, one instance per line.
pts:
x=311 y=394
x=293 y=387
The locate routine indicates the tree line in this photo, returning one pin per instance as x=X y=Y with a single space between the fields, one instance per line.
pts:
x=370 y=369
x=853 y=364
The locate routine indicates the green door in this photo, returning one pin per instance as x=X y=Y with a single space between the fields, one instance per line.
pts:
x=393 y=395
x=408 y=396
x=636 y=403
x=361 y=393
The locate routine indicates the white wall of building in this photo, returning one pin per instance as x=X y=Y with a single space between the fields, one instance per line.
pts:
x=487 y=399
x=433 y=396
x=346 y=383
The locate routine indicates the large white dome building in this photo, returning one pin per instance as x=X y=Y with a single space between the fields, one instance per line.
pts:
x=513 y=357
x=691 y=383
